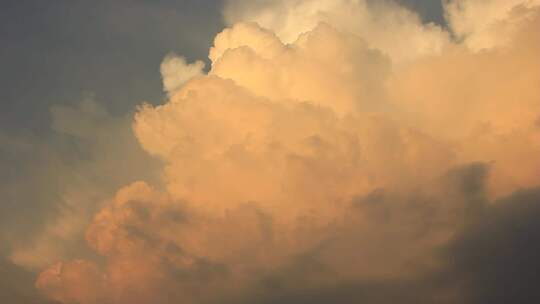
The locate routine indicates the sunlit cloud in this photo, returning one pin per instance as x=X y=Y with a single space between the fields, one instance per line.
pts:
x=333 y=150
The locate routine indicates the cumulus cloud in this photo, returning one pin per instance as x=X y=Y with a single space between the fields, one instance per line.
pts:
x=325 y=157
x=385 y=25
x=175 y=71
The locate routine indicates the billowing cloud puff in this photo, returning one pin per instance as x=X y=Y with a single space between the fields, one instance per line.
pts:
x=392 y=29
x=175 y=71
x=317 y=162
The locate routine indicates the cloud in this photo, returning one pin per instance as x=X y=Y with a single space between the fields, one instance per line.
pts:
x=501 y=244
x=318 y=162
x=175 y=71
x=487 y=24
x=384 y=25
x=88 y=155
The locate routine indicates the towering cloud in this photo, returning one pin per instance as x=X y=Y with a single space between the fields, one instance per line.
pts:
x=336 y=151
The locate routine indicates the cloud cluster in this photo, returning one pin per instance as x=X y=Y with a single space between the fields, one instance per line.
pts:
x=336 y=151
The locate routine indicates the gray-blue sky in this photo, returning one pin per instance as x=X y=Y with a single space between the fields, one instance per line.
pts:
x=54 y=51
x=429 y=10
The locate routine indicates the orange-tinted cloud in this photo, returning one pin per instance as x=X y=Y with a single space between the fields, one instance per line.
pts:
x=335 y=156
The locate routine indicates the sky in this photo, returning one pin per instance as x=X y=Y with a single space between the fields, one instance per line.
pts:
x=269 y=151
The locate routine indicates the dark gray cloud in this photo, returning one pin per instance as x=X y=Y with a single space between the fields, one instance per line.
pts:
x=496 y=257
x=492 y=259
x=400 y=223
